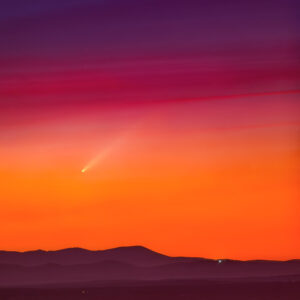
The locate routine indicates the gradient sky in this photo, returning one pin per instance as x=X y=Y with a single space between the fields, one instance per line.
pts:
x=184 y=115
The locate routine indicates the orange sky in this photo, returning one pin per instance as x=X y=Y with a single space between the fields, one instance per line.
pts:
x=203 y=178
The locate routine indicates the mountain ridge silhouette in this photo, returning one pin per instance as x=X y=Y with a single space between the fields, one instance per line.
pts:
x=131 y=254
x=126 y=263
x=138 y=255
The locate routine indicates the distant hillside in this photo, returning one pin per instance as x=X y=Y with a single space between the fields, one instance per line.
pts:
x=126 y=263
x=136 y=255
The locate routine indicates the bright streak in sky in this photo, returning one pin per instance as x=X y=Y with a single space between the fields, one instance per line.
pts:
x=103 y=154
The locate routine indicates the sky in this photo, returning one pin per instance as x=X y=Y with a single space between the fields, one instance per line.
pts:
x=169 y=124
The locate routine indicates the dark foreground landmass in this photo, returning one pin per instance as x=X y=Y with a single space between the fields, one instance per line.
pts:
x=252 y=289
x=138 y=273
x=36 y=268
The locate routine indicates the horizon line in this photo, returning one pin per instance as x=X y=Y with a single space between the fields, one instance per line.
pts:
x=146 y=248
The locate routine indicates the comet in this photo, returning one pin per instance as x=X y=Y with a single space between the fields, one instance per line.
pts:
x=115 y=144
x=102 y=154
